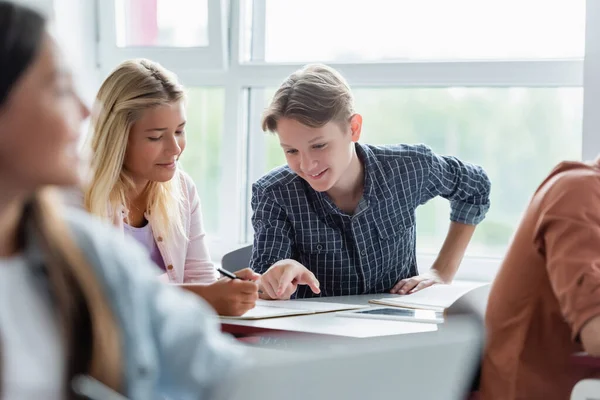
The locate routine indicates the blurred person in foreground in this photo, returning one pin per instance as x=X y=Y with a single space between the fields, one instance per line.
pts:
x=70 y=303
x=544 y=304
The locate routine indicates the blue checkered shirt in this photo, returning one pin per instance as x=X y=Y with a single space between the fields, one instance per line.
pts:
x=370 y=250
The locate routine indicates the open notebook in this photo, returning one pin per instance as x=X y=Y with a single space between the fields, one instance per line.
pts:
x=283 y=308
x=435 y=298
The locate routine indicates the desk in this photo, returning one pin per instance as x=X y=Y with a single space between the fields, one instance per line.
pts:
x=329 y=326
x=327 y=323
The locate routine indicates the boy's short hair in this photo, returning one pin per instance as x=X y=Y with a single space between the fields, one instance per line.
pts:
x=313 y=96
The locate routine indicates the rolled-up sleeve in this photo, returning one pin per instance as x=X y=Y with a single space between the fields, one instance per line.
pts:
x=465 y=185
x=273 y=233
x=567 y=234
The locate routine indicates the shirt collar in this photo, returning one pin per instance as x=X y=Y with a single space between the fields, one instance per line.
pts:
x=373 y=173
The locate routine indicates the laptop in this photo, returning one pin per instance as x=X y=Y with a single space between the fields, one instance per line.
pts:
x=433 y=365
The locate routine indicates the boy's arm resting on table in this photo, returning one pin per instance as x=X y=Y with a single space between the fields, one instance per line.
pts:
x=445 y=265
x=567 y=235
x=272 y=249
x=452 y=251
x=467 y=187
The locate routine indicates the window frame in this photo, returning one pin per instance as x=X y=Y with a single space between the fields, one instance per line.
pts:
x=243 y=141
x=212 y=57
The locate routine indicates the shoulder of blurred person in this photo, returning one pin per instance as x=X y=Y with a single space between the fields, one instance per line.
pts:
x=570 y=180
x=160 y=323
x=72 y=197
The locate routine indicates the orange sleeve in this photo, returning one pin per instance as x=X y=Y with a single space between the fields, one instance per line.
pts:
x=568 y=236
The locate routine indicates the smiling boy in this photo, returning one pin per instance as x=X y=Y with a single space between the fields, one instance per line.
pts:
x=339 y=218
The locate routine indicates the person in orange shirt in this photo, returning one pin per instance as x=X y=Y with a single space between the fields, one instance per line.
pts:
x=544 y=304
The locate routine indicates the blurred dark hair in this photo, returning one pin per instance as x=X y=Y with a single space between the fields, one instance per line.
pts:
x=21 y=34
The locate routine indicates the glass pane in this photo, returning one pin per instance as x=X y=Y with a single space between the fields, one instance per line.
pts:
x=376 y=30
x=163 y=23
x=201 y=159
x=516 y=134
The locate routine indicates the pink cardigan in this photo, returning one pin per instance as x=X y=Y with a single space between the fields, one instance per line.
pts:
x=187 y=260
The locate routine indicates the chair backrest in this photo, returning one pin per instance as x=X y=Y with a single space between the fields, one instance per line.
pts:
x=587 y=389
x=237 y=259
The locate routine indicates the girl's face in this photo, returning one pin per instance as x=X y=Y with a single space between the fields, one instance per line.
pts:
x=155 y=143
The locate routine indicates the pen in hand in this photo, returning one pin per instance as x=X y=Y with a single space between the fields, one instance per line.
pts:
x=228 y=274
x=231 y=275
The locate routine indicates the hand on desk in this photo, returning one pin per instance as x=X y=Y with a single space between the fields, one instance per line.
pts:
x=282 y=279
x=230 y=297
x=416 y=283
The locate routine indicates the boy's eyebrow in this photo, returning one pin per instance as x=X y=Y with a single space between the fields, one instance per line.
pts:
x=309 y=142
x=316 y=139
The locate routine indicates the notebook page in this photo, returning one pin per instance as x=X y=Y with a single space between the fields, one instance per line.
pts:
x=436 y=297
x=261 y=312
x=314 y=306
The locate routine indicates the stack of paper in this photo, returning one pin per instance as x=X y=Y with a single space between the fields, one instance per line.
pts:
x=284 y=308
x=435 y=298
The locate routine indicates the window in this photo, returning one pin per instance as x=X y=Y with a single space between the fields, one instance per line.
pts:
x=495 y=83
x=400 y=30
x=180 y=34
x=201 y=159
x=176 y=23
x=517 y=134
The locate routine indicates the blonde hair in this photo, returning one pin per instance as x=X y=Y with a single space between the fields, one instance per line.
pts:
x=313 y=96
x=133 y=87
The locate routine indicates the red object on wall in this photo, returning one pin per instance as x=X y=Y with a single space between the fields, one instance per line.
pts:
x=142 y=29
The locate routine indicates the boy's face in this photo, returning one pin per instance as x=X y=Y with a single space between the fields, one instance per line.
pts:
x=322 y=155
